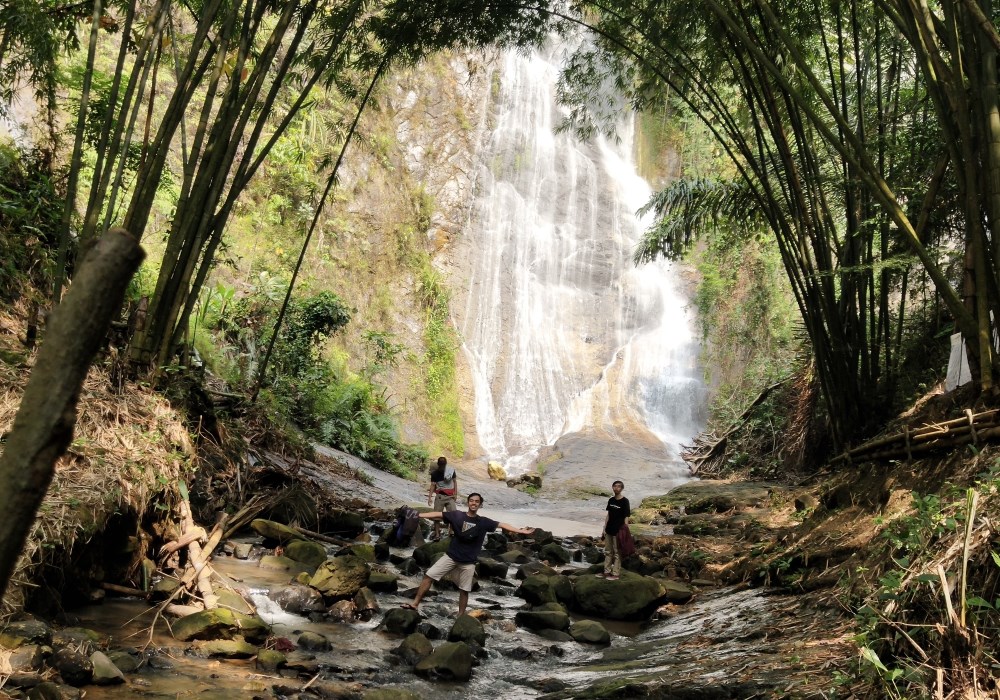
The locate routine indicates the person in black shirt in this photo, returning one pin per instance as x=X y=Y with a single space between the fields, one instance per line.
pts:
x=617 y=515
x=469 y=531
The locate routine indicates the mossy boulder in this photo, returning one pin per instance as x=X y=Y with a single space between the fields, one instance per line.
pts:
x=589 y=632
x=425 y=554
x=452 y=661
x=383 y=582
x=491 y=568
x=270 y=660
x=310 y=553
x=467 y=629
x=342 y=522
x=555 y=553
x=226 y=649
x=22 y=632
x=362 y=550
x=538 y=590
x=281 y=563
x=219 y=623
x=414 y=649
x=341 y=577
x=400 y=621
x=542 y=619
x=632 y=597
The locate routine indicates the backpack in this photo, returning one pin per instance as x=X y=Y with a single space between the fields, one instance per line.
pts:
x=407 y=521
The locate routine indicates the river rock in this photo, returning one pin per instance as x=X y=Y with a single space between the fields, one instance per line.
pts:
x=514 y=556
x=25 y=659
x=234 y=601
x=275 y=532
x=163 y=589
x=491 y=568
x=425 y=554
x=382 y=551
x=105 y=670
x=360 y=550
x=430 y=630
x=400 y=621
x=341 y=577
x=451 y=661
x=226 y=649
x=496 y=542
x=74 y=668
x=307 y=552
x=241 y=550
x=632 y=597
x=366 y=604
x=537 y=590
x=269 y=660
x=21 y=632
x=126 y=662
x=589 y=632
x=273 y=562
x=554 y=636
x=542 y=619
x=467 y=629
x=313 y=641
x=415 y=648
x=677 y=592
x=298 y=599
x=342 y=611
x=390 y=694
x=54 y=691
x=410 y=567
x=496 y=471
x=555 y=553
x=383 y=582
x=342 y=522
x=535 y=568
x=219 y=623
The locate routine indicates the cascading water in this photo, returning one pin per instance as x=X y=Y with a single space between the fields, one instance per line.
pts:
x=564 y=335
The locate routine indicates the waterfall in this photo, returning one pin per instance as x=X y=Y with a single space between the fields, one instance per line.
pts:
x=562 y=332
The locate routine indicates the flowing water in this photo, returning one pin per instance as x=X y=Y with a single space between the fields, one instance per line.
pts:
x=570 y=345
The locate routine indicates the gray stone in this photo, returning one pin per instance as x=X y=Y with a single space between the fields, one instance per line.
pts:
x=534 y=568
x=491 y=568
x=21 y=632
x=677 y=592
x=126 y=663
x=537 y=590
x=633 y=597
x=25 y=659
x=241 y=550
x=383 y=583
x=554 y=635
x=54 y=691
x=105 y=670
x=343 y=611
x=555 y=553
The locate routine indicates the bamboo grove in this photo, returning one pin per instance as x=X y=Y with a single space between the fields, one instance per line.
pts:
x=199 y=95
x=864 y=138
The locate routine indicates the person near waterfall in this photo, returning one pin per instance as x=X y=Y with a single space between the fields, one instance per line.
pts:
x=615 y=517
x=443 y=492
x=469 y=531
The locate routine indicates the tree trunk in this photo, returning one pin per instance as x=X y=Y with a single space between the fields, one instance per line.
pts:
x=44 y=424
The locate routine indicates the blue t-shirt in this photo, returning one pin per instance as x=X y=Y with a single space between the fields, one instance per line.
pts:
x=468 y=537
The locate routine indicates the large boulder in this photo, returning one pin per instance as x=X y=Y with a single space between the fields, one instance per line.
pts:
x=550 y=618
x=555 y=553
x=219 y=623
x=226 y=649
x=467 y=629
x=383 y=582
x=273 y=531
x=632 y=597
x=75 y=668
x=281 y=563
x=491 y=568
x=538 y=590
x=23 y=632
x=451 y=661
x=341 y=577
x=362 y=550
x=306 y=552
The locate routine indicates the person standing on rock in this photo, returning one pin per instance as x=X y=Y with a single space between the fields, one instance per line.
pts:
x=615 y=518
x=443 y=491
x=469 y=531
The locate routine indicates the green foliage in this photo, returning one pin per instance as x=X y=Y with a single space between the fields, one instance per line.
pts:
x=30 y=211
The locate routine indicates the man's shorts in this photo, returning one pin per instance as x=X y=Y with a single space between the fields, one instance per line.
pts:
x=444 y=503
x=462 y=574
